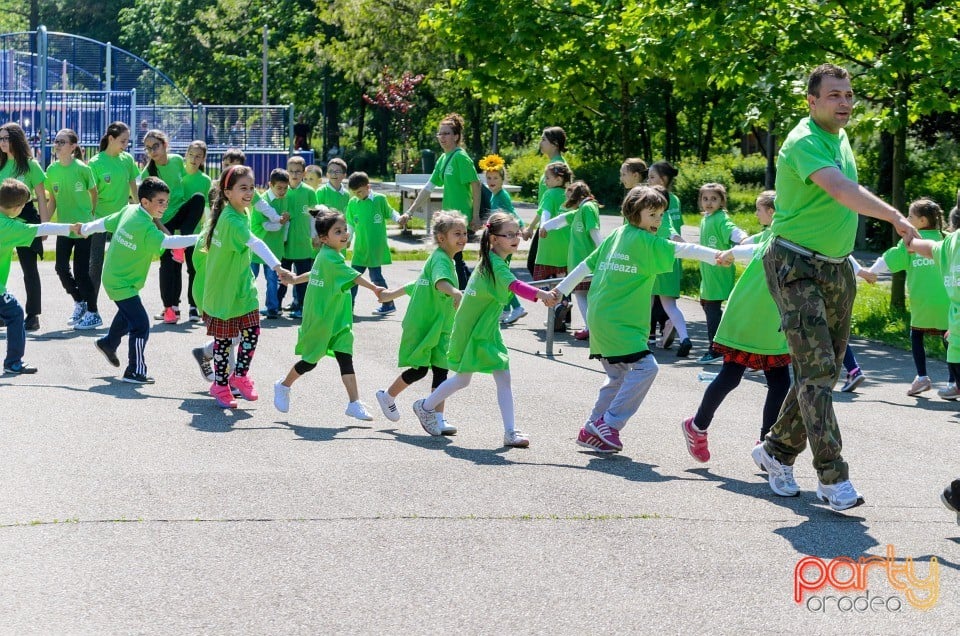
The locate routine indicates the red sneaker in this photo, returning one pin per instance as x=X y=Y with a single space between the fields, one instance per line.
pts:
x=179 y=254
x=610 y=436
x=594 y=443
x=696 y=441
x=583 y=334
x=224 y=397
x=245 y=385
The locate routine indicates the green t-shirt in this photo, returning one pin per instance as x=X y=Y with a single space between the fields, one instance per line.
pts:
x=327 y=308
x=113 y=175
x=200 y=265
x=136 y=240
x=751 y=322
x=502 y=201
x=553 y=250
x=946 y=254
x=299 y=245
x=454 y=172
x=668 y=284
x=228 y=263
x=70 y=186
x=929 y=305
x=475 y=342
x=624 y=267
x=805 y=213
x=13 y=234
x=273 y=238
x=368 y=218
x=31 y=178
x=197 y=183
x=333 y=199
x=716 y=282
x=542 y=185
x=674 y=214
x=429 y=318
x=585 y=219
x=172 y=173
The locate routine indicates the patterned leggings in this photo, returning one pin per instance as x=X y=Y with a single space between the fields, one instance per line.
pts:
x=245 y=350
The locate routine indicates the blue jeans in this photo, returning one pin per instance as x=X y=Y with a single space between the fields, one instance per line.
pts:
x=299 y=266
x=273 y=283
x=376 y=277
x=12 y=314
x=131 y=319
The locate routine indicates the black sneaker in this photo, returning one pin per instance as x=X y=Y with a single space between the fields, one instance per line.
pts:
x=951 y=497
x=273 y=314
x=684 y=349
x=108 y=353
x=19 y=368
x=137 y=378
x=32 y=323
x=194 y=315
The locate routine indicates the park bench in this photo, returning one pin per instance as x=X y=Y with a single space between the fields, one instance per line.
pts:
x=410 y=186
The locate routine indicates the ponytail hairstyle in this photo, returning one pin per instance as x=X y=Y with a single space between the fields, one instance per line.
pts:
x=71 y=135
x=324 y=220
x=455 y=122
x=494 y=225
x=18 y=147
x=228 y=179
x=114 y=130
x=556 y=136
x=715 y=188
x=577 y=193
x=562 y=170
x=666 y=171
x=446 y=220
x=929 y=210
x=637 y=167
x=161 y=137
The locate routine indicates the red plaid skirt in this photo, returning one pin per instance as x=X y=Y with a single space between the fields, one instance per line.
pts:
x=929 y=330
x=543 y=272
x=752 y=360
x=231 y=328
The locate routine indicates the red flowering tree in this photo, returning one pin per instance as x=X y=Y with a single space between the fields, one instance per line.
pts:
x=394 y=96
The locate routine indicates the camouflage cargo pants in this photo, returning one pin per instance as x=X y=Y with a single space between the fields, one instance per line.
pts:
x=815 y=299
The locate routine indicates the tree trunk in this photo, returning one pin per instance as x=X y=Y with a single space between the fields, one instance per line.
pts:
x=382 y=116
x=626 y=124
x=671 y=149
x=898 y=299
x=770 y=174
x=646 y=149
x=358 y=144
x=707 y=139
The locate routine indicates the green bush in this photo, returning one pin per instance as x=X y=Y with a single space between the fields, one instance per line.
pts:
x=361 y=160
x=526 y=170
x=692 y=175
x=604 y=181
x=749 y=171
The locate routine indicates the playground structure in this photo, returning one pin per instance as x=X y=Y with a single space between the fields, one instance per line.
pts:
x=50 y=81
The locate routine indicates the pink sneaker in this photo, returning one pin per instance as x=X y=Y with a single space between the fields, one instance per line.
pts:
x=245 y=385
x=594 y=443
x=610 y=436
x=179 y=254
x=696 y=441
x=224 y=398
x=583 y=334
x=170 y=316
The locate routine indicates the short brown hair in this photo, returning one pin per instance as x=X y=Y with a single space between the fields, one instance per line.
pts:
x=824 y=70
x=13 y=194
x=643 y=197
x=357 y=180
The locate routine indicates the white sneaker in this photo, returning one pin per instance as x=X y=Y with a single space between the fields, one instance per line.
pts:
x=516 y=439
x=506 y=314
x=79 y=308
x=388 y=406
x=839 y=496
x=515 y=315
x=919 y=385
x=949 y=391
x=358 y=410
x=428 y=419
x=281 y=396
x=780 y=476
x=445 y=427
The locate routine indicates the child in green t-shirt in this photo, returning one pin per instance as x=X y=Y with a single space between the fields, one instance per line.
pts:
x=299 y=232
x=624 y=268
x=327 y=328
x=929 y=304
x=366 y=216
x=14 y=195
x=475 y=341
x=551 y=258
x=718 y=232
x=495 y=173
x=334 y=193
x=73 y=197
x=136 y=240
x=434 y=298
x=313 y=176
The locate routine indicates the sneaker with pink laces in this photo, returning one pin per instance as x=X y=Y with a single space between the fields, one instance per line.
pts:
x=696 y=441
x=224 y=397
x=594 y=443
x=610 y=436
x=244 y=385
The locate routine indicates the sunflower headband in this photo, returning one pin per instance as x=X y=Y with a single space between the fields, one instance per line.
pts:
x=492 y=163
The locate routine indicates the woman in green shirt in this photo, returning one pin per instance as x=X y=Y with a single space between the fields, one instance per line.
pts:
x=16 y=161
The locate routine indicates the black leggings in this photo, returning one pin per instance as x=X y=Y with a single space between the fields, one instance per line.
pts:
x=28 y=263
x=77 y=282
x=415 y=374
x=920 y=354
x=344 y=361
x=171 y=272
x=778 y=384
x=714 y=311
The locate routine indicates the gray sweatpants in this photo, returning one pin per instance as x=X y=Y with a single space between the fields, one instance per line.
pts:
x=623 y=392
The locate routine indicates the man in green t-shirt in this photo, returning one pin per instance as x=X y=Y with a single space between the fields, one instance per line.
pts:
x=813 y=285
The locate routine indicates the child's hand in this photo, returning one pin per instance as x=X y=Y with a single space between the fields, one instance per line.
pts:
x=457 y=296
x=285 y=276
x=402 y=221
x=543 y=233
x=549 y=299
x=725 y=258
x=379 y=291
x=285 y=218
x=75 y=228
x=868 y=276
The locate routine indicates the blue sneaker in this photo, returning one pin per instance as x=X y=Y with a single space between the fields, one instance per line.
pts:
x=384 y=310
